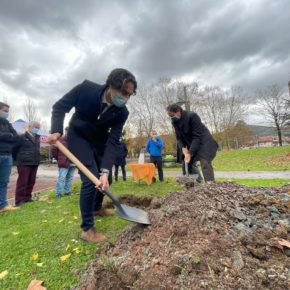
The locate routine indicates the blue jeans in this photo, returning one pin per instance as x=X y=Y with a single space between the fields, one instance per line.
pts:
x=5 y=171
x=65 y=177
x=91 y=199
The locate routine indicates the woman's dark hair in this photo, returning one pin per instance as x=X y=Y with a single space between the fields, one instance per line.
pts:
x=119 y=77
x=3 y=105
x=174 y=108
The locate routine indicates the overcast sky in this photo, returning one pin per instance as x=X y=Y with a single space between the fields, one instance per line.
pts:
x=47 y=47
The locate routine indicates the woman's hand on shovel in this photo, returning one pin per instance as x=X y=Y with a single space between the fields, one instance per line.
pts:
x=53 y=138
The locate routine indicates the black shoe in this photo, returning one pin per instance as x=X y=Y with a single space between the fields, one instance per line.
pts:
x=20 y=203
x=29 y=200
x=67 y=193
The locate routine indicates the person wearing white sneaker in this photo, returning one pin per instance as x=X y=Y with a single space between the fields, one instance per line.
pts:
x=8 y=137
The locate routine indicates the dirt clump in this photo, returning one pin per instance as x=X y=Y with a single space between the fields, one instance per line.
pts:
x=217 y=236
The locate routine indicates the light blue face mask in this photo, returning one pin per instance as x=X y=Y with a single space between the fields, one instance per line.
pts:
x=119 y=101
x=4 y=115
x=35 y=131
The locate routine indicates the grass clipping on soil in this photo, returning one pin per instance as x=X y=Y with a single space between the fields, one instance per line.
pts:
x=217 y=236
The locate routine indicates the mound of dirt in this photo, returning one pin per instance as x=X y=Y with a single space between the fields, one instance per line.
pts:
x=217 y=236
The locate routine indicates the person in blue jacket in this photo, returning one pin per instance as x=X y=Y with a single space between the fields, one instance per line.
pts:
x=93 y=136
x=154 y=148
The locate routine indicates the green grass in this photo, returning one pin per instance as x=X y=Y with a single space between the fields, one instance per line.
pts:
x=51 y=230
x=274 y=158
x=257 y=182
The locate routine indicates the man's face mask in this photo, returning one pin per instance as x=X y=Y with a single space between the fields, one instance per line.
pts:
x=119 y=101
x=4 y=115
x=35 y=131
x=175 y=119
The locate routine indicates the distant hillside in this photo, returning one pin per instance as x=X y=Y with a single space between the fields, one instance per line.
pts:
x=266 y=131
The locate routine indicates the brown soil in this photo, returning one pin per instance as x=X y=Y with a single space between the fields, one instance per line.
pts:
x=217 y=236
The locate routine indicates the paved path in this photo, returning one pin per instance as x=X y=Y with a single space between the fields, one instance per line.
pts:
x=47 y=176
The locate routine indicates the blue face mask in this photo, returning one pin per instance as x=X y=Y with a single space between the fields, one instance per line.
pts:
x=35 y=131
x=175 y=119
x=4 y=115
x=119 y=101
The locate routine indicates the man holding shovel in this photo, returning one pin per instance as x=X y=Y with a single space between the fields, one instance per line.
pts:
x=194 y=138
x=93 y=136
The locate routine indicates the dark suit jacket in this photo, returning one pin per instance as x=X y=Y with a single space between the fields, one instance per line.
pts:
x=27 y=150
x=193 y=134
x=91 y=135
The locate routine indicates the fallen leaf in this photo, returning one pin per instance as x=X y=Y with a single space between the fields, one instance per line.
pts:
x=64 y=258
x=15 y=233
x=74 y=241
x=60 y=221
x=39 y=264
x=284 y=243
x=36 y=285
x=3 y=274
x=44 y=221
x=67 y=247
x=75 y=217
x=77 y=250
x=70 y=222
x=35 y=257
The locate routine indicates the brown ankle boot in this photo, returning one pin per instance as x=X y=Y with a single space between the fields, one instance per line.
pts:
x=103 y=212
x=92 y=236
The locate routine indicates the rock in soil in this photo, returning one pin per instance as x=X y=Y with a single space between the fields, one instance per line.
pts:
x=217 y=236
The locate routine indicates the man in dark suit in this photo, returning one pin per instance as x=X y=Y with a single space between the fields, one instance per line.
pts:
x=93 y=136
x=27 y=155
x=194 y=138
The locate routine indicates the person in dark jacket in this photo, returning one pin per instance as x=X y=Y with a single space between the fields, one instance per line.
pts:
x=93 y=136
x=27 y=155
x=66 y=169
x=121 y=160
x=8 y=138
x=194 y=138
x=154 y=148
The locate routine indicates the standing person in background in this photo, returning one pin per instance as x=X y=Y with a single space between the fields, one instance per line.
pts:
x=27 y=155
x=8 y=138
x=66 y=169
x=194 y=138
x=121 y=160
x=154 y=148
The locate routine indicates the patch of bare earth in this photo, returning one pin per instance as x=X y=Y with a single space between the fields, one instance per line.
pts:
x=217 y=236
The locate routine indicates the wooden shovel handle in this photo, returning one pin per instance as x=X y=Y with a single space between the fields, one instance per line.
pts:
x=78 y=164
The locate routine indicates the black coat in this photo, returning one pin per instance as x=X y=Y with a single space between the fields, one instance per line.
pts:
x=27 y=150
x=8 y=137
x=122 y=154
x=90 y=134
x=193 y=134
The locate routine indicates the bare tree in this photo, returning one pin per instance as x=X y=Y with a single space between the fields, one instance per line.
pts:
x=271 y=101
x=30 y=111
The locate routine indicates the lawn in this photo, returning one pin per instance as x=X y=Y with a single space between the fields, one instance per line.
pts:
x=274 y=158
x=33 y=239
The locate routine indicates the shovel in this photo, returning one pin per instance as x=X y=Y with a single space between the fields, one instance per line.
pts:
x=123 y=211
x=192 y=176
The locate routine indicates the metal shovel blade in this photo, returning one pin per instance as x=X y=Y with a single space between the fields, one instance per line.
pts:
x=132 y=214
x=129 y=213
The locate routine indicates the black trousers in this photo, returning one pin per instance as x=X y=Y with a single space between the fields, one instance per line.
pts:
x=117 y=172
x=157 y=160
x=207 y=169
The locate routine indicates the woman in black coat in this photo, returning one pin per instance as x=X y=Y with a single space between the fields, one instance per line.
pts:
x=194 y=138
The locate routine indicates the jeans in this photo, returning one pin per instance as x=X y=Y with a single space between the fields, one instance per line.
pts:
x=5 y=171
x=65 y=177
x=91 y=199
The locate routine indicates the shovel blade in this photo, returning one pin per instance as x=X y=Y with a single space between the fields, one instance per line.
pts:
x=132 y=214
